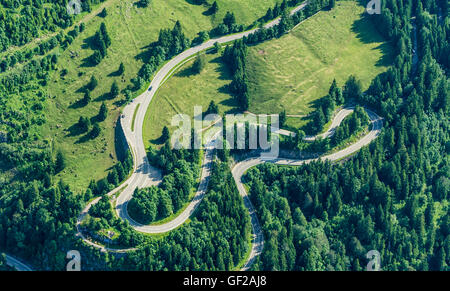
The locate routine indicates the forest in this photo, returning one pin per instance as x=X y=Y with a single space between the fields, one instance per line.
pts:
x=391 y=197
x=216 y=238
x=170 y=43
x=352 y=126
x=22 y=21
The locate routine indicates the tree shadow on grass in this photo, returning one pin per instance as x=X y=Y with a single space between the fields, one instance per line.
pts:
x=157 y=141
x=88 y=62
x=88 y=43
x=114 y=74
x=77 y=104
x=103 y=97
x=233 y=110
x=225 y=89
x=146 y=53
x=209 y=12
x=230 y=102
x=317 y=102
x=186 y=72
x=192 y=2
x=85 y=138
x=225 y=73
x=206 y=5
x=95 y=119
x=366 y=32
x=308 y=128
x=120 y=143
x=82 y=89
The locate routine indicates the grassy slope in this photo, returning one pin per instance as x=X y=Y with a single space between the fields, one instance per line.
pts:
x=131 y=30
x=183 y=91
x=298 y=68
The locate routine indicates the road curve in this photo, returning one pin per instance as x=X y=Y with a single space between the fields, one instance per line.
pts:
x=146 y=175
x=334 y=124
x=240 y=168
x=18 y=265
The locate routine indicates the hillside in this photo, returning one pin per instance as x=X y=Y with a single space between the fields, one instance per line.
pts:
x=295 y=70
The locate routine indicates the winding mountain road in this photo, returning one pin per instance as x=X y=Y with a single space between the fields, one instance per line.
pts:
x=240 y=168
x=144 y=175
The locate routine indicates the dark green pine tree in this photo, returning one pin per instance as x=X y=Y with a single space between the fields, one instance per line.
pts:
x=121 y=69
x=244 y=101
x=105 y=34
x=114 y=90
x=319 y=120
x=214 y=8
x=97 y=57
x=229 y=20
x=84 y=124
x=332 y=4
x=113 y=177
x=352 y=89
x=96 y=130
x=92 y=83
x=165 y=134
x=102 y=47
x=282 y=118
x=212 y=108
x=199 y=64
x=333 y=91
x=104 y=13
x=87 y=97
